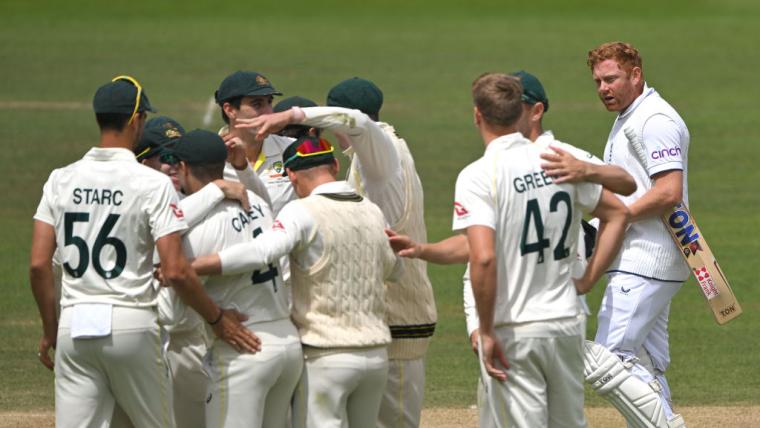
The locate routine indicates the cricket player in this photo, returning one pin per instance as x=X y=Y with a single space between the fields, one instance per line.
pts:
x=186 y=345
x=245 y=95
x=382 y=169
x=455 y=249
x=106 y=213
x=340 y=259
x=522 y=231
x=649 y=271
x=245 y=389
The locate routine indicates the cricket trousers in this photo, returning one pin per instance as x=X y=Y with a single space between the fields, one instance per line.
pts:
x=127 y=366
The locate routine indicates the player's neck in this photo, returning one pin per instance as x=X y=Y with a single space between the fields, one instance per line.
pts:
x=490 y=133
x=116 y=139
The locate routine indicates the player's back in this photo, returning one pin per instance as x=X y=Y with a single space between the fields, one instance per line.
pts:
x=259 y=294
x=537 y=229
x=107 y=209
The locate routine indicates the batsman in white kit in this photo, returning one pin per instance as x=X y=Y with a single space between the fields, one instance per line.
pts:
x=340 y=258
x=522 y=231
x=106 y=213
x=245 y=390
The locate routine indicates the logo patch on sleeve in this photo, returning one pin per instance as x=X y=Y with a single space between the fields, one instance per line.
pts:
x=277 y=225
x=460 y=210
x=177 y=211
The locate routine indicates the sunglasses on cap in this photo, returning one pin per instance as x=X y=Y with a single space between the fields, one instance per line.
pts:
x=168 y=158
x=133 y=81
x=310 y=147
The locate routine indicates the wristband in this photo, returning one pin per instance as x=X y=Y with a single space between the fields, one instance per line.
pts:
x=219 y=318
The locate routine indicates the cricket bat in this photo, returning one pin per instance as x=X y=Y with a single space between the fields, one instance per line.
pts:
x=689 y=239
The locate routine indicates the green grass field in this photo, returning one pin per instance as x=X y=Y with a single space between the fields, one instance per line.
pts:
x=701 y=55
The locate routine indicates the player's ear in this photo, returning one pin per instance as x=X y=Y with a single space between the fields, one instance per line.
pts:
x=636 y=75
x=477 y=118
x=230 y=111
x=335 y=167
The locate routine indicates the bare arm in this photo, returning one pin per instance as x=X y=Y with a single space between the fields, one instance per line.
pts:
x=564 y=167
x=451 y=250
x=613 y=220
x=666 y=192
x=483 y=277
x=43 y=288
x=177 y=272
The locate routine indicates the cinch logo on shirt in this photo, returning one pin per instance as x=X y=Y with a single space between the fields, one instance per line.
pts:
x=277 y=225
x=177 y=211
x=460 y=210
x=662 y=153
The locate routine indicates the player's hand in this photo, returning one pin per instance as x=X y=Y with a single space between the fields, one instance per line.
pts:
x=235 y=191
x=563 y=167
x=403 y=245
x=158 y=275
x=492 y=353
x=235 y=151
x=266 y=123
x=474 y=337
x=231 y=330
x=582 y=284
x=43 y=351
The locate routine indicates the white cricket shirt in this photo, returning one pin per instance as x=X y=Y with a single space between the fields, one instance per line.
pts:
x=648 y=250
x=260 y=294
x=108 y=211
x=536 y=224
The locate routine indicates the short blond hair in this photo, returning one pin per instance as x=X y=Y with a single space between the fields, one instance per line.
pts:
x=498 y=97
x=624 y=53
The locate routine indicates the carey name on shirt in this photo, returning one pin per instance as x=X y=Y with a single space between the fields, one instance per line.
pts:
x=242 y=219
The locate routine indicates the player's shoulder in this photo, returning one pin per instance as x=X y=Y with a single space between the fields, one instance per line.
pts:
x=577 y=152
x=278 y=141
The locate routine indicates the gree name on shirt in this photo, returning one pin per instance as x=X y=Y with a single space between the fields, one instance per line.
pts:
x=531 y=181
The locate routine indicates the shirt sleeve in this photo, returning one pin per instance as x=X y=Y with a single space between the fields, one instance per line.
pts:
x=253 y=182
x=380 y=164
x=196 y=206
x=164 y=213
x=587 y=196
x=473 y=203
x=44 y=211
x=288 y=231
x=662 y=144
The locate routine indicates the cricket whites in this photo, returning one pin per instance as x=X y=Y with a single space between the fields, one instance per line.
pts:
x=689 y=239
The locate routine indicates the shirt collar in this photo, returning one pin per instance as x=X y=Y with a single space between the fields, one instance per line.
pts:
x=506 y=142
x=333 y=187
x=110 y=154
x=644 y=94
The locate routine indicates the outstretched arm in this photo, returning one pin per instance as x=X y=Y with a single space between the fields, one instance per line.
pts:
x=563 y=167
x=613 y=220
x=451 y=250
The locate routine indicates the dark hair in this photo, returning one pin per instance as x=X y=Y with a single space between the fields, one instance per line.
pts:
x=112 y=121
x=297 y=131
x=234 y=102
x=498 y=97
x=207 y=172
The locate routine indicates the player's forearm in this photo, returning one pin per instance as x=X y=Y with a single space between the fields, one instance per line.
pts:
x=483 y=278
x=189 y=289
x=665 y=193
x=454 y=249
x=257 y=254
x=43 y=289
x=609 y=240
x=612 y=177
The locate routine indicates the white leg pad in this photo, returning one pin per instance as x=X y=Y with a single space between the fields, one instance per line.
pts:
x=634 y=399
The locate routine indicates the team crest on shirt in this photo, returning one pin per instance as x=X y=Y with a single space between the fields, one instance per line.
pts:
x=277 y=225
x=460 y=210
x=277 y=167
x=177 y=211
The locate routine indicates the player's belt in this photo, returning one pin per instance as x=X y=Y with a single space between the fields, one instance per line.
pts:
x=412 y=331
